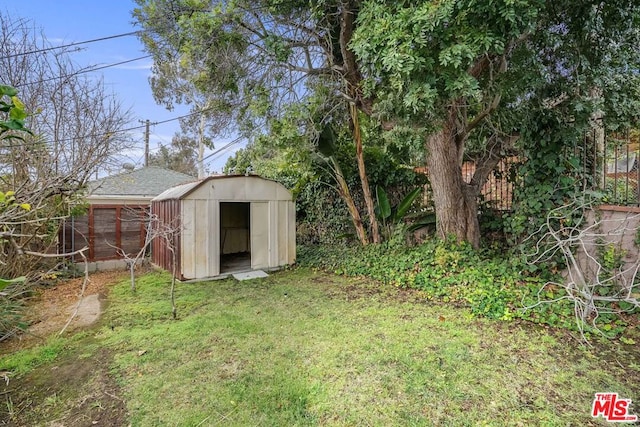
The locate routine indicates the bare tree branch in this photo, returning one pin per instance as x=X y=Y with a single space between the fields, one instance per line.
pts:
x=594 y=288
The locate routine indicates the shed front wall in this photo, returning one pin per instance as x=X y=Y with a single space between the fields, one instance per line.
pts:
x=200 y=238
x=272 y=228
x=273 y=234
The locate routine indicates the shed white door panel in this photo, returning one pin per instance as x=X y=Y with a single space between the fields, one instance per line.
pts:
x=187 y=244
x=214 y=238
x=260 y=245
x=283 y=233
x=291 y=235
x=201 y=239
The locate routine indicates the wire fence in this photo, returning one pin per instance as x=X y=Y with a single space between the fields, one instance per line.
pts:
x=615 y=171
x=611 y=163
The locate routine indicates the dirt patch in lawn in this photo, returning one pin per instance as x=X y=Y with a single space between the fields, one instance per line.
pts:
x=364 y=288
x=73 y=392
x=52 y=307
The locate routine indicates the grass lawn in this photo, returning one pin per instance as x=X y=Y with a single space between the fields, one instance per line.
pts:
x=309 y=348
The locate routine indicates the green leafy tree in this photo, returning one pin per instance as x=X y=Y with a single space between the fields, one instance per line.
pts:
x=254 y=59
x=309 y=170
x=180 y=156
x=468 y=72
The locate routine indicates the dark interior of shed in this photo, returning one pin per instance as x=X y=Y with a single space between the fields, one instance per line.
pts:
x=235 y=237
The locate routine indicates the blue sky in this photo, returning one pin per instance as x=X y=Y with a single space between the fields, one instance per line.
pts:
x=69 y=21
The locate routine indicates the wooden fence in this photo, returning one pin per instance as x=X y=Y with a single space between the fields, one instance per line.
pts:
x=108 y=231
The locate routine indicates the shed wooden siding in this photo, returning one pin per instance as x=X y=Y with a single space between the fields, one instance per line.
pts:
x=168 y=214
x=104 y=229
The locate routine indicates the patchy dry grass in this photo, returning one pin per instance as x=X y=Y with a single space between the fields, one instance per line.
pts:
x=308 y=348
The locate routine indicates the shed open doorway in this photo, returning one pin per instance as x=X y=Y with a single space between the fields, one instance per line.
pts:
x=235 y=235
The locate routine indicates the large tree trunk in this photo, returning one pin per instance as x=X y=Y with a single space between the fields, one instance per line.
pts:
x=455 y=201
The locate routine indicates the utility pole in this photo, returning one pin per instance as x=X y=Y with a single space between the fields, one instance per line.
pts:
x=146 y=142
x=201 y=148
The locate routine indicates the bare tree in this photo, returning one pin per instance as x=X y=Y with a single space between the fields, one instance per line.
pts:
x=594 y=282
x=76 y=128
x=15 y=207
x=155 y=229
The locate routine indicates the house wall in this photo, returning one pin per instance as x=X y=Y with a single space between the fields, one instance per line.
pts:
x=119 y=200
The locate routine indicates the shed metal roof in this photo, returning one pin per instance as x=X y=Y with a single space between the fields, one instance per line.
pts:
x=181 y=191
x=148 y=181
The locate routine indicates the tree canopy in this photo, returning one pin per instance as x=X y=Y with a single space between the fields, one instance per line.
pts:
x=180 y=156
x=477 y=69
x=461 y=77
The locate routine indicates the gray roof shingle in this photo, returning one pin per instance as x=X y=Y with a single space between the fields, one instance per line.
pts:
x=149 y=181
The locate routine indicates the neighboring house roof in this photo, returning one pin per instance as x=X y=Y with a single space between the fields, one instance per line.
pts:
x=146 y=182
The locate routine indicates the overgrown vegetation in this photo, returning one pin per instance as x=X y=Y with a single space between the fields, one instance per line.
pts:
x=550 y=173
x=321 y=213
x=54 y=137
x=489 y=284
x=304 y=348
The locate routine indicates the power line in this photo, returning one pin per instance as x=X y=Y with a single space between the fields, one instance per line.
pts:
x=97 y=135
x=86 y=70
x=47 y=49
x=235 y=141
x=225 y=152
x=131 y=33
x=160 y=138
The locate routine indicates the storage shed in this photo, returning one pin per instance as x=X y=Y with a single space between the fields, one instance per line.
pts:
x=225 y=224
